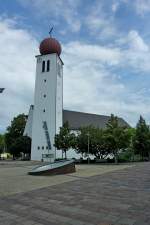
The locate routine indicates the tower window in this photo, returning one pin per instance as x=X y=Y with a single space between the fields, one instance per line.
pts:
x=38 y=147
x=43 y=110
x=48 y=65
x=43 y=66
x=43 y=147
x=44 y=96
x=45 y=80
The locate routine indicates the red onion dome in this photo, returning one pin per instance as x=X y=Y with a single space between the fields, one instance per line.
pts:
x=50 y=45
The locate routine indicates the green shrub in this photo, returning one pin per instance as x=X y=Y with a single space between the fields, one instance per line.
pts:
x=126 y=156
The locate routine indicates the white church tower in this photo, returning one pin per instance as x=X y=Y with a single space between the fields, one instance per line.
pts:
x=48 y=100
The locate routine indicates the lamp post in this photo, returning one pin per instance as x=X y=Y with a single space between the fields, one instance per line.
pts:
x=88 y=147
x=1 y=91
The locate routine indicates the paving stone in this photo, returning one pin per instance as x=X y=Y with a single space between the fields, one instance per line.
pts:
x=127 y=221
x=116 y=198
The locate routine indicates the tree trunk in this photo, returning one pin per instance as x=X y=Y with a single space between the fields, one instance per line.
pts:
x=65 y=155
x=116 y=158
x=149 y=156
x=101 y=156
x=62 y=154
x=142 y=156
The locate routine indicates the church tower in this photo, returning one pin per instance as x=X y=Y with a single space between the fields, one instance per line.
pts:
x=48 y=100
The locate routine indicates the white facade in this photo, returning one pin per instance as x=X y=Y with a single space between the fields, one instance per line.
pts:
x=28 y=127
x=48 y=105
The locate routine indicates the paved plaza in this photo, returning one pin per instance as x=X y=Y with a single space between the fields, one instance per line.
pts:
x=95 y=195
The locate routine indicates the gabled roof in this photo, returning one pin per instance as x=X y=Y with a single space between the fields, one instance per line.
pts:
x=75 y=120
x=80 y=119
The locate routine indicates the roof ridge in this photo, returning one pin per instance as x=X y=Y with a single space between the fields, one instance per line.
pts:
x=85 y=113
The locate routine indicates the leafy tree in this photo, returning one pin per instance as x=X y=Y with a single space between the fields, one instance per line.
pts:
x=2 y=143
x=97 y=145
x=117 y=137
x=64 y=140
x=21 y=144
x=141 y=140
x=15 y=131
x=129 y=154
x=126 y=155
x=81 y=143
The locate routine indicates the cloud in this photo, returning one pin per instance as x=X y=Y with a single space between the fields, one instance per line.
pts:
x=17 y=70
x=93 y=83
x=115 y=6
x=136 y=42
x=91 y=52
x=92 y=75
x=135 y=52
x=91 y=86
x=88 y=86
x=100 y=22
x=60 y=9
x=142 y=7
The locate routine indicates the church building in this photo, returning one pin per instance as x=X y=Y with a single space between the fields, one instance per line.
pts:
x=47 y=115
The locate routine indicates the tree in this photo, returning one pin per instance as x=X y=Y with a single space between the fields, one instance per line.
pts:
x=97 y=145
x=117 y=137
x=141 y=140
x=2 y=143
x=130 y=151
x=65 y=139
x=15 y=131
x=21 y=144
x=81 y=143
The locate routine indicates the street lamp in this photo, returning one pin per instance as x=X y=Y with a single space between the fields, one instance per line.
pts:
x=88 y=134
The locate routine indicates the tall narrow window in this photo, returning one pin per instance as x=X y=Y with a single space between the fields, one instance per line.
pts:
x=43 y=66
x=48 y=65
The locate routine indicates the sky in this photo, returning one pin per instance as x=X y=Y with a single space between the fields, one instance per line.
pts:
x=105 y=50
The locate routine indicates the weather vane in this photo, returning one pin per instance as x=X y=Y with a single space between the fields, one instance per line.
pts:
x=50 y=32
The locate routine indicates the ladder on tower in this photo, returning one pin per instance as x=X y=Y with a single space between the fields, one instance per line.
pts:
x=47 y=135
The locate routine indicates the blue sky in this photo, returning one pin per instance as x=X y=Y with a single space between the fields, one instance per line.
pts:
x=106 y=54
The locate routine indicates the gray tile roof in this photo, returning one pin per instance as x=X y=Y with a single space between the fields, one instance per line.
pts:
x=80 y=119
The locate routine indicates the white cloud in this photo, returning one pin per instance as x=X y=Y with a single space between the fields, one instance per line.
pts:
x=17 y=70
x=99 y=22
x=60 y=9
x=115 y=6
x=136 y=42
x=135 y=52
x=90 y=83
x=91 y=86
x=142 y=7
x=96 y=53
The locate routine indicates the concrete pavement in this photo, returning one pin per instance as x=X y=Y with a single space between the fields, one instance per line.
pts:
x=120 y=197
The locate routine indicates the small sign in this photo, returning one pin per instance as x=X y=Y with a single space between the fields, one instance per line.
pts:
x=50 y=156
